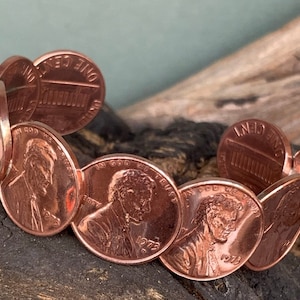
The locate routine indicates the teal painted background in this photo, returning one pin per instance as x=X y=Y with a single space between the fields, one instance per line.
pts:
x=141 y=46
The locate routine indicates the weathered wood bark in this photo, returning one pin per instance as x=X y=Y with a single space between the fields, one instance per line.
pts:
x=261 y=80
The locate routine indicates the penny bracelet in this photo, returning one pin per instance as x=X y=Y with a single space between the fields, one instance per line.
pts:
x=124 y=208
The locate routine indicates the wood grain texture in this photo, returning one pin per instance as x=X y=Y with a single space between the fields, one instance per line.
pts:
x=261 y=80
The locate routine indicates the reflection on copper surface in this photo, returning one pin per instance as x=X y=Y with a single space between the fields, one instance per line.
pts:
x=5 y=134
x=128 y=204
x=72 y=90
x=35 y=191
x=255 y=153
x=296 y=162
x=22 y=85
x=32 y=183
x=215 y=239
x=133 y=216
x=281 y=204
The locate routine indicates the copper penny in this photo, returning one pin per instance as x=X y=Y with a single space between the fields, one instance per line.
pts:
x=255 y=153
x=5 y=134
x=281 y=205
x=41 y=191
x=296 y=162
x=72 y=90
x=22 y=85
x=131 y=211
x=222 y=225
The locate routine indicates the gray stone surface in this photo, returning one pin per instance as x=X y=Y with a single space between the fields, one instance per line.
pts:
x=59 y=267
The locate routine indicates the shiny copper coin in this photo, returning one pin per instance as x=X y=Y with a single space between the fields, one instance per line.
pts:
x=41 y=191
x=296 y=162
x=222 y=225
x=131 y=211
x=72 y=93
x=255 y=153
x=281 y=205
x=22 y=85
x=5 y=134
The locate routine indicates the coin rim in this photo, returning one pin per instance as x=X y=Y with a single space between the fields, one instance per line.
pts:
x=217 y=181
x=59 y=141
x=153 y=166
x=5 y=132
x=287 y=165
x=102 y=84
x=6 y=64
x=263 y=197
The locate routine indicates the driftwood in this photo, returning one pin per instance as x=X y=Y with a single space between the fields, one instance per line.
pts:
x=261 y=80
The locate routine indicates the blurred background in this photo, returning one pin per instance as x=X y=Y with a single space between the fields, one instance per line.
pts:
x=142 y=47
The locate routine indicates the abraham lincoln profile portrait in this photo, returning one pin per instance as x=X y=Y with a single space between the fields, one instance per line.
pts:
x=27 y=187
x=215 y=219
x=110 y=228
